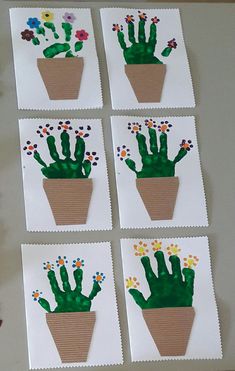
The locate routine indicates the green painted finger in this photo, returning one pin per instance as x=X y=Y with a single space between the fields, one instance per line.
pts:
x=52 y=148
x=141 y=32
x=153 y=37
x=131 y=164
x=121 y=39
x=65 y=144
x=163 y=145
x=153 y=141
x=189 y=276
x=176 y=268
x=39 y=159
x=142 y=145
x=79 y=149
x=78 y=277
x=138 y=297
x=131 y=32
x=65 y=278
x=150 y=275
x=162 y=268
x=44 y=304
x=182 y=152
x=95 y=289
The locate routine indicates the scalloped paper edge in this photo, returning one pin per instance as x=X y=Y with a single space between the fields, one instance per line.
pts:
x=106 y=172
x=172 y=358
x=201 y=175
x=109 y=245
x=187 y=61
x=99 y=107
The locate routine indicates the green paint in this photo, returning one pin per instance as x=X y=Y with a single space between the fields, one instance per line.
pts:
x=68 y=299
x=141 y=51
x=55 y=49
x=66 y=168
x=78 y=46
x=69 y=54
x=51 y=27
x=155 y=163
x=67 y=27
x=35 y=41
x=166 y=290
x=40 y=31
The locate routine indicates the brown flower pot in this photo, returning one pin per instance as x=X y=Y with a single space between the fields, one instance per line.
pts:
x=72 y=334
x=170 y=328
x=159 y=196
x=69 y=199
x=146 y=80
x=61 y=76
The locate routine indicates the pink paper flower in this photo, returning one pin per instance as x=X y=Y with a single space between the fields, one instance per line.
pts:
x=69 y=17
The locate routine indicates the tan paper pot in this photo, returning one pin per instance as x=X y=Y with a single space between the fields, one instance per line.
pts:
x=72 y=334
x=170 y=328
x=159 y=196
x=69 y=199
x=61 y=76
x=146 y=80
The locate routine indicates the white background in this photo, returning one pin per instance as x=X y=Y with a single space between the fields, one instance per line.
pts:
x=41 y=347
x=177 y=89
x=190 y=208
x=39 y=216
x=31 y=92
x=204 y=341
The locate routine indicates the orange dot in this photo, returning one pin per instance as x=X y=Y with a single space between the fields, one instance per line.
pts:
x=98 y=278
x=123 y=153
x=61 y=261
x=90 y=158
x=164 y=127
x=44 y=130
x=30 y=147
x=80 y=133
x=135 y=128
x=78 y=264
x=65 y=127
x=36 y=295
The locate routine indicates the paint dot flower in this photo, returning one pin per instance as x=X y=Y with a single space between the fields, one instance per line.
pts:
x=48 y=266
x=132 y=283
x=81 y=35
x=116 y=27
x=30 y=148
x=173 y=250
x=47 y=16
x=191 y=261
x=186 y=144
x=36 y=295
x=27 y=35
x=44 y=130
x=142 y=16
x=64 y=126
x=134 y=127
x=91 y=157
x=155 y=19
x=78 y=263
x=164 y=126
x=141 y=249
x=81 y=132
x=150 y=123
x=129 y=19
x=99 y=277
x=156 y=245
x=123 y=152
x=69 y=17
x=172 y=44
x=61 y=261
x=33 y=22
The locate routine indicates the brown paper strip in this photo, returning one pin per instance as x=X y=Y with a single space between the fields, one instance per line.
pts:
x=72 y=334
x=61 y=76
x=170 y=328
x=146 y=80
x=159 y=196
x=69 y=199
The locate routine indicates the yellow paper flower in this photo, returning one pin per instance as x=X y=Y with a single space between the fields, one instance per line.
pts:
x=141 y=249
x=173 y=249
x=156 y=245
x=47 y=16
x=191 y=261
x=132 y=283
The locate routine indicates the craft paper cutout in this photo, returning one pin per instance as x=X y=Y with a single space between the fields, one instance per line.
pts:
x=169 y=298
x=57 y=47
x=68 y=305
x=152 y=46
x=153 y=184
x=67 y=164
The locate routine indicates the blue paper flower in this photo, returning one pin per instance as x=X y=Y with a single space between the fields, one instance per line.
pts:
x=33 y=23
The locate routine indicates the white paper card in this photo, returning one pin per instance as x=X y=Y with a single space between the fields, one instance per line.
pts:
x=204 y=340
x=31 y=91
x=39 y=214
x=96 y=260
x=177 y=88
x=190 y=206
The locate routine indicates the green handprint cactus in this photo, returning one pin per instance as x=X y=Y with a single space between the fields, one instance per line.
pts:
x=68 y=299
x=141 y=51
x=67 y=168
x=155 y=163
x=167 y=289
